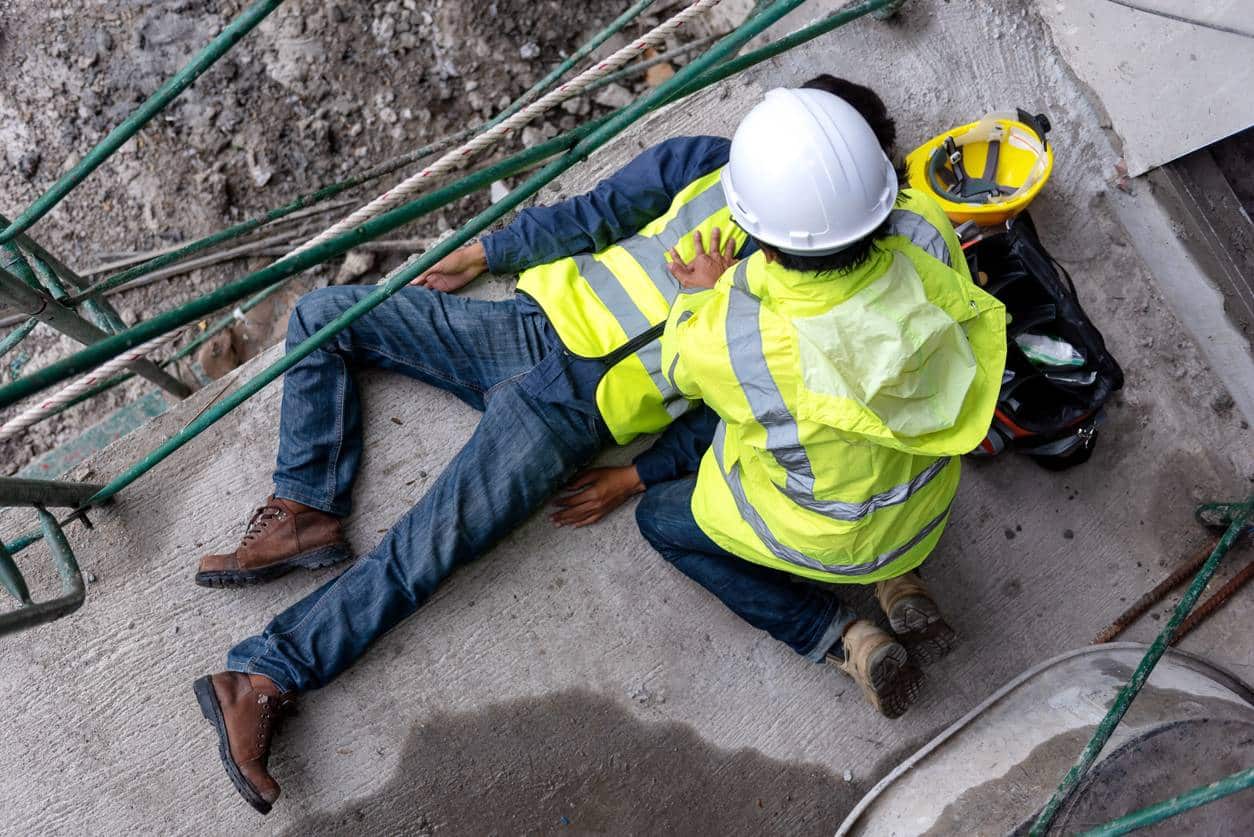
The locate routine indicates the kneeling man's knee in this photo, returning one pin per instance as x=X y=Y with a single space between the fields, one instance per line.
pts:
x=650 y=514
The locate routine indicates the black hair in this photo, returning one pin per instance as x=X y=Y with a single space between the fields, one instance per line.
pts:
x=841 y=261
x=870 y=107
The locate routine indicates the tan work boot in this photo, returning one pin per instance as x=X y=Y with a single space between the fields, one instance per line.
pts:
x=880 y=665
x=245 y=710
x=915 y=617
x=281 y=536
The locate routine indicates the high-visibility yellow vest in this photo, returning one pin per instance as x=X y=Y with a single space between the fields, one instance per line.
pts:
x=613 y=304
x=846 y=400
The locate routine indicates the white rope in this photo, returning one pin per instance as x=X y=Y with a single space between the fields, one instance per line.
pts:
x=36 y=412
x=390 y=199
x=457 y=157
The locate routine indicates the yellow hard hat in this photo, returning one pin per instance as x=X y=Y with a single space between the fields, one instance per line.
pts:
x=1008 y=149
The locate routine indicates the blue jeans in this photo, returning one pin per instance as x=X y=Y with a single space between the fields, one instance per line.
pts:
x=807 y=618
x=534 y=435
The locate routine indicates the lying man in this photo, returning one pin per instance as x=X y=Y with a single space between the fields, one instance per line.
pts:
x=570 y=364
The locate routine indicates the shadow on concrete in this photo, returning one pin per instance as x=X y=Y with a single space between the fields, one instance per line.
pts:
x=577 y=762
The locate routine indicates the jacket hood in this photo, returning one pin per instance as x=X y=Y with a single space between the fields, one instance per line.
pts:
x=905 y=364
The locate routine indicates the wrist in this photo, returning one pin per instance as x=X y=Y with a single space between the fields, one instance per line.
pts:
x=631 y=480
x=479 y=254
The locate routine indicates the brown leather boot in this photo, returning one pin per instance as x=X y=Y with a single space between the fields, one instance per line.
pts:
x=880 y=665
x=245 y=710
x=281 y=536
x=915 y=617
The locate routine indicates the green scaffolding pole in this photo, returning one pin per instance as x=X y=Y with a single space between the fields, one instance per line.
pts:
x=440 y=198
x=1168 y=808
x=1240 y=519
x=17 y=335
x=177 y=83
x=333 y=189
x=705 y=74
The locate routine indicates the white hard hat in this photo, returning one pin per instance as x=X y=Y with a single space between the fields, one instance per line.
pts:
x=807 y=175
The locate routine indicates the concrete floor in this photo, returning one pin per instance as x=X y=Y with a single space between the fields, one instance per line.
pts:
x=572 y=680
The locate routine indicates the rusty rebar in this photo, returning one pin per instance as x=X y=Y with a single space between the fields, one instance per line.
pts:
x=1180 y=575
x=1212 y=604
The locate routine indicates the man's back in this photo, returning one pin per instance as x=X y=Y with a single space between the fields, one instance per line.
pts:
x=846 y=399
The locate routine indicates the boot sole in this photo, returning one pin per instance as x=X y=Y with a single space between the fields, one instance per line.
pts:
x=919 y=626
x=323 y=556
x=895 y=681
x=212 y=710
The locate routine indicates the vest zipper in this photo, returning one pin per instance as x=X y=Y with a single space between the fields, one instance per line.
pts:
x=634 y=345
x=629 y=348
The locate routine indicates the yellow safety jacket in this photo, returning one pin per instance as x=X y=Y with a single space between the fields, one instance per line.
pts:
x=613 y=305
x=846 y=400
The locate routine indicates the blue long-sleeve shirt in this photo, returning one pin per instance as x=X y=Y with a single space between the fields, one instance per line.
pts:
x=617 y=208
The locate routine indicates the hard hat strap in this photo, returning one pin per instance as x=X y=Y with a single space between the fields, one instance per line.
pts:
x=955 y=183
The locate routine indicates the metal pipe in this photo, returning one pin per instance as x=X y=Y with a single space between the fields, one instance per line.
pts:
x=17 y=491
x=72 y=589
x=110 y=347
x=100 y=310
x=11 y=577
x=203 y=60
x=1240 y=520
x=17 y=335
x=47 y=310
x=1187 y=801
x=16 y=263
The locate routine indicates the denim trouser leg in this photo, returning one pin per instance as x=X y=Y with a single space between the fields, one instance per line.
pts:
x=522 y=451
x=807 y=618
x=464 y=346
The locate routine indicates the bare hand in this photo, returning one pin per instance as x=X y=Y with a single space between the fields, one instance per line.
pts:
x=594 y=494
x=705 y=268
x=455 y=270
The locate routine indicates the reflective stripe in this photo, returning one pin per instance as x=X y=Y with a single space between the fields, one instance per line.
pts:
x=748 y=360
x=613 y=295
x=633 y=321
x=692 y=214
x=649 y=251
x=849 y=512
x=920 y=232
x=744 y=345
x=786 y=553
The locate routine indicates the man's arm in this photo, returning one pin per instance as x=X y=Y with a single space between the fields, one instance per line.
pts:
x=596 y=492
x=679 y=449
x=618 y=207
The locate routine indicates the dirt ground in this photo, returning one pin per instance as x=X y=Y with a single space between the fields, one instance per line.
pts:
x=322 y=89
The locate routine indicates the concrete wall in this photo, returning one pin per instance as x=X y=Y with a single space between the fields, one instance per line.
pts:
x=1168 y=86
x=573 y=678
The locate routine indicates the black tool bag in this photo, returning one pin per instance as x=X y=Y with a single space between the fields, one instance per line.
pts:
x=1051 y=401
